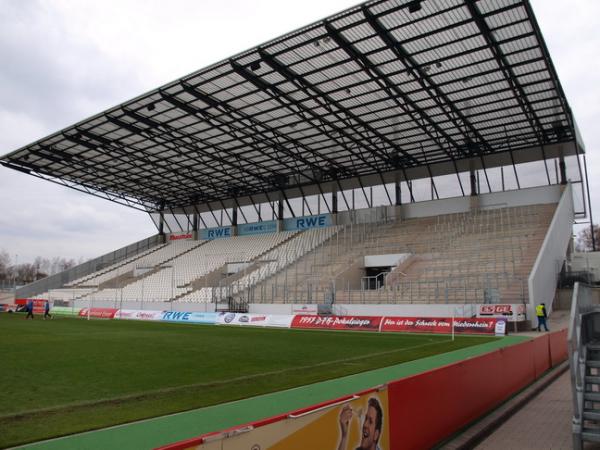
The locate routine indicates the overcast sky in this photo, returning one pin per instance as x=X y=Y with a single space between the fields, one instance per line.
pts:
x=62 y=61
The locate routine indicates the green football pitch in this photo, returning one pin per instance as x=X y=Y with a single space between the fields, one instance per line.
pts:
x=68 y=375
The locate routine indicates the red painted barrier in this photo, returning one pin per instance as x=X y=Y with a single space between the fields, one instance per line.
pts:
x=427 y=408
x=430 y=407
x=558 y=346
x=541 y=354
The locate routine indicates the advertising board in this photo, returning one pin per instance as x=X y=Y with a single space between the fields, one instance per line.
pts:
x=256 y=320
x=98 y=313
x=64 y=311
x=306 y=222
x=358 y=323
x=510 y=312
x=189 y=317
x=357 y=421
x=178 y=237
x=39 y=304
x=439 y=325
x=138 y=314
x=268 y=226
x=216 y=233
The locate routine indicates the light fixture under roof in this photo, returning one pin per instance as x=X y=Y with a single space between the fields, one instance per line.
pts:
x=414 y=6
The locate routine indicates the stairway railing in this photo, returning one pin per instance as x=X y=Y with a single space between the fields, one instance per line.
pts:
x=582 y=304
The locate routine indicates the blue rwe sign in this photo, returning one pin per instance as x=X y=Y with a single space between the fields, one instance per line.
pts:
x=306 y=222
x=190 y=317
x=269 y=226
x=216 y=233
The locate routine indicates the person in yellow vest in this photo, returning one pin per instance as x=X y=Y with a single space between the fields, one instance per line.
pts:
x=540 y=312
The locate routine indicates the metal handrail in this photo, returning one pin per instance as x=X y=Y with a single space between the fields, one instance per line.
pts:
x=580 y=305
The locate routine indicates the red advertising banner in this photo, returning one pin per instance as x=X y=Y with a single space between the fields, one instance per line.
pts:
x=439 y=325
x=99 y=313
x=363 y=323
x=177 y=237
x=39 y=304
x=513 y=312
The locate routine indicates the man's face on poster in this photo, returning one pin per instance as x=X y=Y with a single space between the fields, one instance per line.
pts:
x=370 y=434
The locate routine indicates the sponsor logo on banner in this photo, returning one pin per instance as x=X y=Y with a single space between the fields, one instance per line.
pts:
x=138 y=314
x=216 y=233
x=500 y=327
x=438 y=325
x=6 y=307
x=269 y=226
x=475 y=326
x=188 y=317
x=306 y=222
x=177 y=237
x=366 y=323
x=176 y=316
x=256 y=320
x=98 y=313
x=512 y=312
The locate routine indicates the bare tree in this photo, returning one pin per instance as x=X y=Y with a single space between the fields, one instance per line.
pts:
x=584 y=239
x=29 y=272
x=4 y=265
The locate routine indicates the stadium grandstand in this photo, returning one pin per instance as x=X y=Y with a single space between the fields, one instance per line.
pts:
x=406 y=158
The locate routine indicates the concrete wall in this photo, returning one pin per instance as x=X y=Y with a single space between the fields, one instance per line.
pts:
x=494 y=200
x=521 y=197
x=389 y=260
x=412 y=310
x=147 y=306
x=544 y=274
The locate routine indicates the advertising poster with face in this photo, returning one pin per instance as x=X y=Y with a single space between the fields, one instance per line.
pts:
x=358 y=423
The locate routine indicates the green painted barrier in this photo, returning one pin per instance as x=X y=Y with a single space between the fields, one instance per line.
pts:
x=64 y=311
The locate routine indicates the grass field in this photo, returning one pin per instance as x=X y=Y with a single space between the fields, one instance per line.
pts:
x=68 y=375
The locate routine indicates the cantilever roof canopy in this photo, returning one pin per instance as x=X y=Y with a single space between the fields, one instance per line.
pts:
x=388 y=90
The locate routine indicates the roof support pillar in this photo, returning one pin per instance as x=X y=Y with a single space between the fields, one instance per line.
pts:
x=563 y=169
x=334 y=203
x=161 y=225
x=234 y=220
x=473 y=180
x=280 y=212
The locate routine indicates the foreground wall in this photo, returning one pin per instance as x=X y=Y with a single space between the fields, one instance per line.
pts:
x=417 y=412
x=548 y=264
